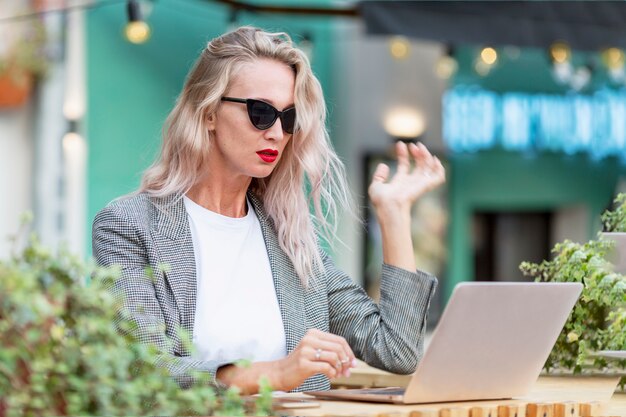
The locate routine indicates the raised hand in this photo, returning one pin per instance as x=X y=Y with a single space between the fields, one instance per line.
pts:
x=408 y=184
x=393 y=198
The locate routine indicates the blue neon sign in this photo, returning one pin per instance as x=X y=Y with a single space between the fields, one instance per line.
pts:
x=475 y=119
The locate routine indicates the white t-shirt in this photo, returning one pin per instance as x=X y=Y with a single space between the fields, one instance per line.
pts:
x=237 y=312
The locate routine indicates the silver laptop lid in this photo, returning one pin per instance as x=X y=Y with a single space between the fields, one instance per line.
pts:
x=492 y=341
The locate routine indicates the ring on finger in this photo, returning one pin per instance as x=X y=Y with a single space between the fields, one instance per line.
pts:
x=338 y=365
x=318 y=354
x=344 y=361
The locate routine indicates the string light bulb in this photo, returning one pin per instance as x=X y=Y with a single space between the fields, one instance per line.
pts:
x=560 y=52
x=399 y=47
x=613 y=58
x=137 y=31
x=562 y=69
x=489 y=55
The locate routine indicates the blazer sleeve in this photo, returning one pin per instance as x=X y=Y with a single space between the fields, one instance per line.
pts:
x=388 y=335
x=119 y=240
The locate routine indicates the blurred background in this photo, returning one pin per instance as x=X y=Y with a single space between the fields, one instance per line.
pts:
x=524 y=102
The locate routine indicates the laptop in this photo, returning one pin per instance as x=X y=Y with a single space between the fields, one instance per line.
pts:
x=491 y=343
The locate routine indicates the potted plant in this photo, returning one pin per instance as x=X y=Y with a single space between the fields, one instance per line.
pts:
x=598 y=320
x=21 y=61
x=62 y=355
x=615 y=220
x=614 y=226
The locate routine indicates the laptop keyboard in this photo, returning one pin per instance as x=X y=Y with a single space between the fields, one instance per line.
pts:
x=379 y=391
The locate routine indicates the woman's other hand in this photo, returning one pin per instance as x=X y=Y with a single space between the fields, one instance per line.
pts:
x=317 y=353
x=408 y=184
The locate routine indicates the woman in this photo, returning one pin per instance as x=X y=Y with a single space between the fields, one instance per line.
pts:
x=225 y=208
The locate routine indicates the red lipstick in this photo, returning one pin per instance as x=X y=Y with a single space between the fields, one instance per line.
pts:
x=268 y=155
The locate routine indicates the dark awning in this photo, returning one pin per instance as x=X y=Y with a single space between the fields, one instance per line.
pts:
x=584 y=25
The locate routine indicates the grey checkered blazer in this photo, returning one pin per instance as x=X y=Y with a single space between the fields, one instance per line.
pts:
x=134 y=233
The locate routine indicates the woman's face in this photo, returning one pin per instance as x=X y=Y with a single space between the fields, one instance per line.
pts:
x=239 y=148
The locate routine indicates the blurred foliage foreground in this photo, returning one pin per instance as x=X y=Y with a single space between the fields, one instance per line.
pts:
x=61 y=354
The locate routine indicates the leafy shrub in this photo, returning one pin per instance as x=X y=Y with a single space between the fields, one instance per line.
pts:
x=60 y=353
x=615 y=220
x=598 y=320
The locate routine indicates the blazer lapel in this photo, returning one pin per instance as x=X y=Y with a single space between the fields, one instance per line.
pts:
x=289 y=289
x=172 y=235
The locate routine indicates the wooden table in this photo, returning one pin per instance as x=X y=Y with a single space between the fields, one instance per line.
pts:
x=552 y=396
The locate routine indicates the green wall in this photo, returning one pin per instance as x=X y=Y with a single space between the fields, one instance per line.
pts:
x=506 y=181
x=131 y=88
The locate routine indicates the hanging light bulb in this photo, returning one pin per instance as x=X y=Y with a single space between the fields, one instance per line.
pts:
x=399 y=47
x=137 y=31
x=560 y=53
x=613 y=58
x=489 y=55
x=486 y=60
x=446 y=65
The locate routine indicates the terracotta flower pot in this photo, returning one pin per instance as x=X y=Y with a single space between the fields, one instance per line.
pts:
x=15 y=88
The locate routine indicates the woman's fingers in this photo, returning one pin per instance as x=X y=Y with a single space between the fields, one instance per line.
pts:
x=440 y=167
x=333 y=338
x=334 y=354
x=381 y=174
x=347 y=350
x=422 y=157
x=330 y=348
x=324 y=368
x=317 y=353
x=426 y=164
x=402 y=153
x=330 y=356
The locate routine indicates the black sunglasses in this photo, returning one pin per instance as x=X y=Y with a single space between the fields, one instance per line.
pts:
x=263 y=115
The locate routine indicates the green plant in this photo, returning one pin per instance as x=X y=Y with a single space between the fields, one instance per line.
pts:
x=598 y=320
x=60 y=353
x=615 y=220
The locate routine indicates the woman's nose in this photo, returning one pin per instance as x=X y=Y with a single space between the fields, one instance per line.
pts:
x=275 y=132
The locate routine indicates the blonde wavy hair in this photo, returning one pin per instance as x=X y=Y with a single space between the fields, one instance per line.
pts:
x=308 y=163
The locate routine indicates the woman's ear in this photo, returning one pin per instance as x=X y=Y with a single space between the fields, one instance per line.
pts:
x=210 y=121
